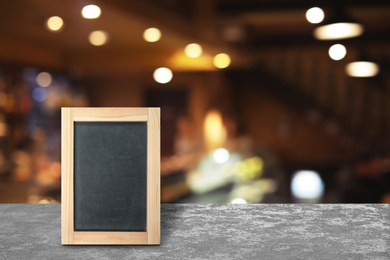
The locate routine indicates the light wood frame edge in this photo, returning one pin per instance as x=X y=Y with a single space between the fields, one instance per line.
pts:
x=153 y=172
x=67 y=175
x=152 y=117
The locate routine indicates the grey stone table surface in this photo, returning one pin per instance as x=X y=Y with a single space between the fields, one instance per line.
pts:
x=212 y=231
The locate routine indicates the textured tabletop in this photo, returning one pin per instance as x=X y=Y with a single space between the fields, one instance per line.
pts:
x=208 y=231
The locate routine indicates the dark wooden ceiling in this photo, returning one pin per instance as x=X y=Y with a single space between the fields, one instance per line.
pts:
x=263 y=24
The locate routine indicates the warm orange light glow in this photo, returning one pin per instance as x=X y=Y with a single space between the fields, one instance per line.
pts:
x=54 y=24
x=98 y=38
x=179 y=61
x=214 y=130
x=152 y=35
x=222 y=61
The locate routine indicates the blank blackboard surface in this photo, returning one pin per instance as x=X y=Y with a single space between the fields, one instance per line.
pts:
x=110 y=176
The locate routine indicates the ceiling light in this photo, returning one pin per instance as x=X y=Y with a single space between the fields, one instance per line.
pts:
x=337 y=31
x=98 y=38
x=162 y=75
x=54 y=24
x=222 y=60
x=315 y=15
x=338 y=26
x=91 y=11
x=362 y=69
x=337 y=51
x=193 y=50
x=152 y=35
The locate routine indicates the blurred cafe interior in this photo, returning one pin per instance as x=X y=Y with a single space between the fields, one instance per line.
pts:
x=267 y=101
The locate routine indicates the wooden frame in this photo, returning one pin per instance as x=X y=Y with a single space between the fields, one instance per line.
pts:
x=149 y=115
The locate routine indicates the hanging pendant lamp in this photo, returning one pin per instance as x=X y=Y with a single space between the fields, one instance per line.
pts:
x=338 y=26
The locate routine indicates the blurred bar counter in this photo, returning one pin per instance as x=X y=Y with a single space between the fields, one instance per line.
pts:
x=216 y=231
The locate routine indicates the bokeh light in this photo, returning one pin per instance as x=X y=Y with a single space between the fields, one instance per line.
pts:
x=54 y=24
x=44 y=79
x=39 y=94
x=307 y=185
x=91 y=12
x=338 y=31
x=214 y=130
x=162 y=75
x=152 y=35
x=98 y=38
x=250 y=168
x=362 y=69
x=337 y=51
x=315 y=15
x=238 y=201
x=3 y=129
x=222 y=61
x=193 y=50
x=221 y=155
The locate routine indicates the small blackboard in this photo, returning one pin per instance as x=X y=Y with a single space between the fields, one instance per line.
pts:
x=110 y=176
x=110 y=193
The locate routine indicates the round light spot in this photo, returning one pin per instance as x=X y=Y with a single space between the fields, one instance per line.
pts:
x=315 y=15
x=43 y=79
x=98 y=38
x=39 y=94
x=162 y=75
x=221 y=155
x=152 y=35
x=222 y=60
x=54 y=24
x=337 y=51
x=91 y=11
x=307 y=185
x=193 y=50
